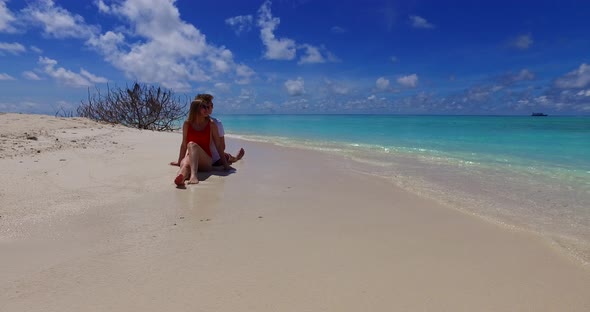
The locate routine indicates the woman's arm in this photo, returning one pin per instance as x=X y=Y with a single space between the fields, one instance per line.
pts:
x=219 y=145
x=182 y=152
x=222 y=142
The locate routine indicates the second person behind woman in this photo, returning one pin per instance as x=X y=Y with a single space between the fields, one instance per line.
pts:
x=195 y=149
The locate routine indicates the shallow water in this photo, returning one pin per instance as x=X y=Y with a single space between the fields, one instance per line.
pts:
x=522 y=172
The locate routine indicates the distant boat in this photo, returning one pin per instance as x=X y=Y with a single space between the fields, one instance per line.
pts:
x=539 y=115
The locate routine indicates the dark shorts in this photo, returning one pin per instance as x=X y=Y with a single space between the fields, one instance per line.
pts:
x=219 y=163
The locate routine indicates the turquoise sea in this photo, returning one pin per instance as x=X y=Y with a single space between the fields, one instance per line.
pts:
x=529 y=173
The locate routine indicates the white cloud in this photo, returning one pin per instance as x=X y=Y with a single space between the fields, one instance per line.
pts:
x=578 y=78
x=477 y=95
x=108 y=42
x=244 y=74
x=371 y=97
x=30 y=75
x=285 y=48
x=420 y=22
x=4 y=76
x=167 y=50
x=241 y=23
x=338 y=88
x=266 y=106
x=523 y=103
x=56 y=21
x=542 y=100
x=524 y=74
x=382 y=83
x=6 y=18
x=67 y=77
x=584 y=93
x=36 y=49
x=523 y=42
x=102 y=7
x=91 y=77
x=247 y=95
x=295 y=104
x=295 y=87
x=222 y=86
x=496 y=88
x=21 y=107
x=276 y=48
x=409 y=81
x=12 y=48
x=512 y=78
x=312 y=55
x=337 y=30
x=222 y=61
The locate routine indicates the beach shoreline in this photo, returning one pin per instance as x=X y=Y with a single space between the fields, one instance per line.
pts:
x=500 y=172
x=94 y=222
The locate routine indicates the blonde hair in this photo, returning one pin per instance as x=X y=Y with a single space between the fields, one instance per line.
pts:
x=205 y=97
x=195 y=106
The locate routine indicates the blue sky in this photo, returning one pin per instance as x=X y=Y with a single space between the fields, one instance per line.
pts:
x=303 y=56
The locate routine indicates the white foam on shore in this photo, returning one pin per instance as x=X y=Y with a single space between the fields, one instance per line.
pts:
x=552 y=203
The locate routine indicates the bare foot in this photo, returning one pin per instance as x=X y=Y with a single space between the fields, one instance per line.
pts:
x=193 y=180
x=179 y=180
x=240 y=154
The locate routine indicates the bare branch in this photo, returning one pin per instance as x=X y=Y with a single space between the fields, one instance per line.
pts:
x=142 y=107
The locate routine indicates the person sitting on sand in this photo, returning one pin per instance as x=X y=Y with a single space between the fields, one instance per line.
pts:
x=216 y=159
x=195 y=149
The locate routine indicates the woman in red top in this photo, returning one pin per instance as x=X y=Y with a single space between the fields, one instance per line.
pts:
x=195 y=153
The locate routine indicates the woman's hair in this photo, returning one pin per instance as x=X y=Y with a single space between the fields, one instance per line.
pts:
x=204 y=96
x=195 y=106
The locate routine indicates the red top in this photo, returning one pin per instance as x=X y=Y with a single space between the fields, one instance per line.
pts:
x=202 y=138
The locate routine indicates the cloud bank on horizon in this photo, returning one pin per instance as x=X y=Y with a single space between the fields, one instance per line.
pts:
x=296 y=57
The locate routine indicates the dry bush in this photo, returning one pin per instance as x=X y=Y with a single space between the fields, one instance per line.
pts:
x=62 y=112
x=142 y=107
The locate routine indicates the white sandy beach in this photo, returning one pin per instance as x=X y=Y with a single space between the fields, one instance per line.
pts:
x=90 y=221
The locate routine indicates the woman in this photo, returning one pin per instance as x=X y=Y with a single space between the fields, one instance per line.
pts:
x=195 y=151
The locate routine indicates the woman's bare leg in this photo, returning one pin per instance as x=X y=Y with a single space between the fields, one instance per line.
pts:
x=233 y=159
x=193 y=152
x=199 y=160
x=183 y=172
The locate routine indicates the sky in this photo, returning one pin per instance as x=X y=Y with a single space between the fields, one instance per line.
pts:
x=302 y=56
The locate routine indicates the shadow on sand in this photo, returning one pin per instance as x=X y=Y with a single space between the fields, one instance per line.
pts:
x=204 y=175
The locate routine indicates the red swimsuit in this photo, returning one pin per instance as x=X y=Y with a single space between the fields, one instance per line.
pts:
x=202 y=138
